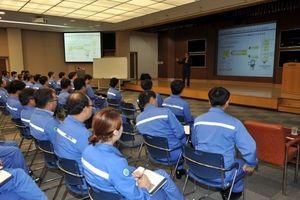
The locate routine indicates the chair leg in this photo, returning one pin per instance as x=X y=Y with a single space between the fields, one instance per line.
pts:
x=185 y=184
x=138 y=156
x=58 y=188
x=65 y=194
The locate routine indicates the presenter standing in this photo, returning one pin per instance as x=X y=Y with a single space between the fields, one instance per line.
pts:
x=186 y=63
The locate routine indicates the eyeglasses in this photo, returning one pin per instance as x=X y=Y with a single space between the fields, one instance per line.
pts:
x=54 y=100
x=91 y=106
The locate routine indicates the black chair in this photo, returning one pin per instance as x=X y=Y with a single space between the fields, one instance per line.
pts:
x=129 y=110
x=157 y=148
x=50 y=162
x=74 y=180
x=131 y=139
x=113 y=103
x=203 y=167
x=23 y=134
x=57 y=91
x=96 y=194
x=181 y=119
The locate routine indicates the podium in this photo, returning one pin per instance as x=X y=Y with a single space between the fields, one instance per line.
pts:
x=290 y=87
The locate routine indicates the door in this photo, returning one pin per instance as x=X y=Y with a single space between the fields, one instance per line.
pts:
x=2 y=65
x=133 y=65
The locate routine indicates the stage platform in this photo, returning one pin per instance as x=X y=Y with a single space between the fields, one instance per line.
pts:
x=263 y=95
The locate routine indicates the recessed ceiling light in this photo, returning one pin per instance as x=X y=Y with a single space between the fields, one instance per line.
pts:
x=73 y=20
x=2 y=13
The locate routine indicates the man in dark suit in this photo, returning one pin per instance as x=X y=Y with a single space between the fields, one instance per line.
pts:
x=186 y=63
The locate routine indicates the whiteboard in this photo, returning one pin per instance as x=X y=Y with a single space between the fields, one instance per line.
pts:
x=107 y=68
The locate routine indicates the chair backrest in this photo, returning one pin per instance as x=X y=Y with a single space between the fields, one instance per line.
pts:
x=157 y=147
x=270 y=141
x=113 y=103
x=71 y=171
x=48 y=150
x=205 y=165
x=96 y=194
x=128 y=109
x=128 y=133
x=180 y=119
x=20 y=126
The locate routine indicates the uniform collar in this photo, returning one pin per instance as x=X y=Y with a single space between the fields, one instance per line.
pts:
x=150 y=107
x=175 y=96
x=108 y=148
x=45 y=111
x=216 y=109
x=72 y=119
x=28 y=108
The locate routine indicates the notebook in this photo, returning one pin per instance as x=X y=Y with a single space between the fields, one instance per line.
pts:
x=4 y=177
x=156 y=180
x=186 y=129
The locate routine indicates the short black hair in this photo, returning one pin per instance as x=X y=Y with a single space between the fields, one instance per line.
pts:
x=177 y=87
x=16 y=85
x=50 y=73
x=145 y=96
x=13 y=73
x=43 y=79
x=79 y=83
x=28 y=76
x=65 y=83
x=61 y=74
x=4 y=72
x=76 y=103
x=36 y=77
x=218 y=96
x=88 y=76
x=25 y=95
x=113 y=82
x=146 y=84
x=42 y=96
x=71 y=75
x=20 y=76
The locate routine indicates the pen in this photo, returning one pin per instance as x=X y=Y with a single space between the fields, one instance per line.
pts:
x=142 y=174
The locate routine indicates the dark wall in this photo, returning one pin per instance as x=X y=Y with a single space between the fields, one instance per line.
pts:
x=173 y=43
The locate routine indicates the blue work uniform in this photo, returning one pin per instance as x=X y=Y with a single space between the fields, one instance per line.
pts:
x=113 y=175
x=11 y=79
x=36 y=86
x=96 y=100
x=113 y=93
x=72 y=87
x=11 y=156
x=62 y=98
x=162 y=122
x=3 y=99
x=28 y=84
x=6 y=79
x=52 y=83
x=43 y=126
x=218 y=132
x=14 y=107
x=20 y=187
x=58 y=85
x=71 y=139
x=179 y=107
x=26 y=113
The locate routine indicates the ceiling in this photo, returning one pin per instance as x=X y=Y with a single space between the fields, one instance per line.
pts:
x=107 y=15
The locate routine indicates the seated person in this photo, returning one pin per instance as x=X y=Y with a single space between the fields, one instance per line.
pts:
x=13 y=104
x=113 y=93
x=146 y=85
x=43 y=125
x=113 y=174
x=98 y=101
x=3 y=96
x=29 y=80
x=20 y=186
x=72 y=76
x=5 y=76
x=218 y=132
x=65 y=85
x=61 y=75
x=52 y=83
x=72 y=135
x=177 y=105
x=13 y=76
x=161 y=122
x=44 y=82
x=36 y=84
x=26 y=98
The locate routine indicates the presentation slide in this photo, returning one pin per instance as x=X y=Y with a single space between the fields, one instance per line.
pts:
x=82 y=47
x=247 y=51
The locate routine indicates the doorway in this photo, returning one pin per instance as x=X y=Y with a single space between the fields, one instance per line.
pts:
x=133 y=65
x=2 y=64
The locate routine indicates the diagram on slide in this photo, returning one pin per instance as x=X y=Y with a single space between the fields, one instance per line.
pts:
x=247 y=51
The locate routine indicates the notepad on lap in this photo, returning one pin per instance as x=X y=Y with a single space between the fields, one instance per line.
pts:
x=186 y=129
x=4 y=177
x=156 y=180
